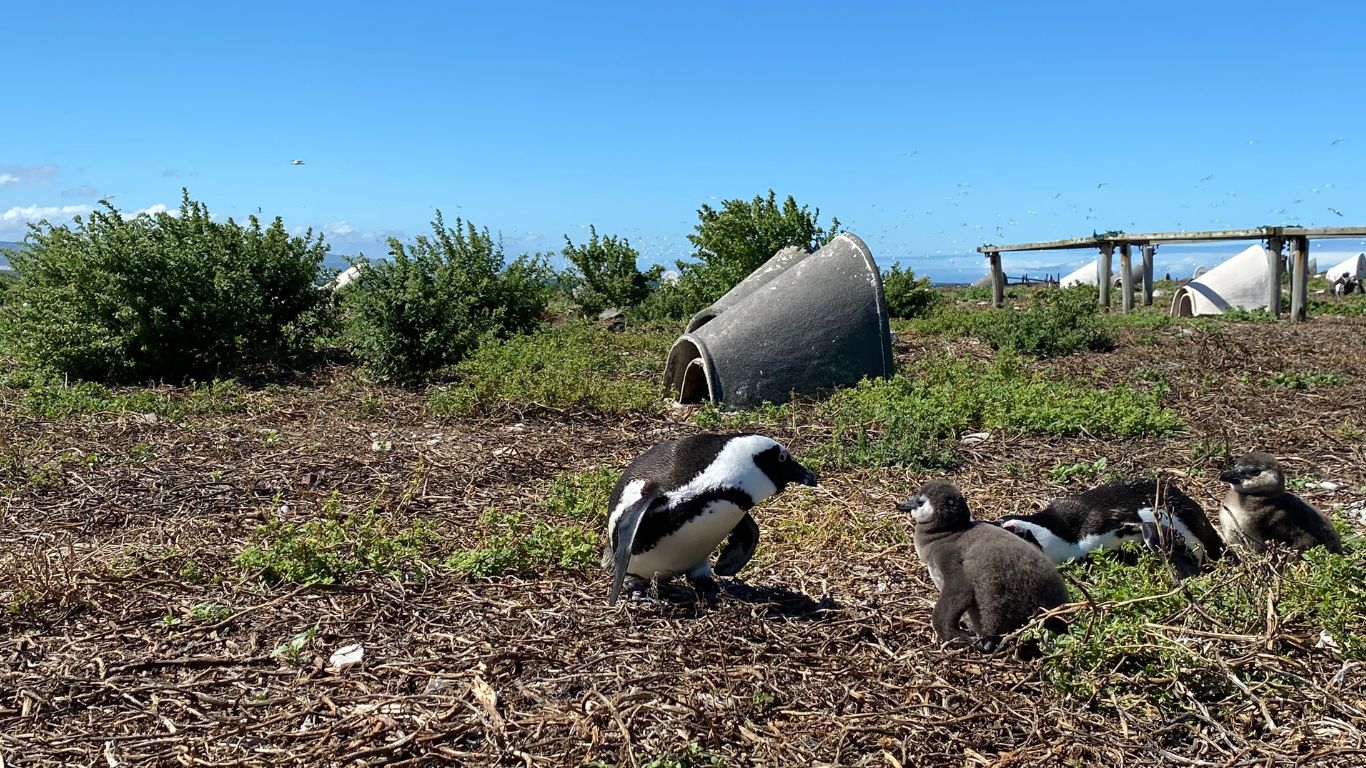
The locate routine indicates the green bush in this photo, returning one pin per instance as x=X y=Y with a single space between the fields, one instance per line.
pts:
x=575 y=365
x=438 y=299
x=907 y=295
x=605 y=273
x=917 y=421
x=163 y=296
x=734 y=241
x=1058 y=322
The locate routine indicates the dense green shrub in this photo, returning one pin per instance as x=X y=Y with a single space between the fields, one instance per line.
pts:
x=437 y=299
x=163 y=295
x=907 y=295
x=605 y=273
x=1057 y=322
x=575 y=365
x=734 y=241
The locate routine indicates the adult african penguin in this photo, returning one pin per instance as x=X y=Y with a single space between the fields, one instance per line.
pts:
x=677 y=501
x=1158 y=513
x=985 y=574
x=1257 y=509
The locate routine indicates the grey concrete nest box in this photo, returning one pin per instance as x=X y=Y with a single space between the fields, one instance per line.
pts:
x=801 y=323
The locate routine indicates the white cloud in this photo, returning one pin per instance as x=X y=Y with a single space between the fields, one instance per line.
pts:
x=14 y=222
x=6 y=179
x=153 y=210
x=340 y=229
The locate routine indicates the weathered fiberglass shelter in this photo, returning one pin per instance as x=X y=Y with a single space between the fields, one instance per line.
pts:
x=800 y=323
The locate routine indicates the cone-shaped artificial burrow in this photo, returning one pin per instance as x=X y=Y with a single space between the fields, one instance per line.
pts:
x=814 y=322
x=770 y=269
x=1090 y=273
x=1354 y=266
x=1242 y=281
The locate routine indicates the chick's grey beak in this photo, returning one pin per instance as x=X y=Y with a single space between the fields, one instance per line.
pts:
x=1235 y=475
x=909 y=505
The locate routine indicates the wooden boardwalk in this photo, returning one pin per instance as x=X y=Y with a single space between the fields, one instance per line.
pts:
x=1106 y=244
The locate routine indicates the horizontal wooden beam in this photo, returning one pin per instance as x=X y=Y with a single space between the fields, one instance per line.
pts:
x=1154 y=238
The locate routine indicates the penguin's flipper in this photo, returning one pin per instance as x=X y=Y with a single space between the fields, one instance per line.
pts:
x=1152 y=536
x=627 y=525
x=740 y=546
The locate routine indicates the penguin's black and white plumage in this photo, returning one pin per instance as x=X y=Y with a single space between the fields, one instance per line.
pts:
x=677 y=501
x=1105 y=517
x=986 y=575
x=1257 y=509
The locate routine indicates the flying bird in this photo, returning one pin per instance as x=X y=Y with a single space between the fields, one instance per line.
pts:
x=1337 y=141
x=1103 y=183
x=1057 y=195
x=296 y=162
x=1207 y=178
x=1335 y=211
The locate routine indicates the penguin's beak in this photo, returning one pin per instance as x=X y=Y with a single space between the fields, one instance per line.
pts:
x=909 y=505
x=1236 y=475
x=806 y=476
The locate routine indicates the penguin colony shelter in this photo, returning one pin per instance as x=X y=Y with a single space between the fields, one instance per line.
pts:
x=802 y=322
x=1275 y=239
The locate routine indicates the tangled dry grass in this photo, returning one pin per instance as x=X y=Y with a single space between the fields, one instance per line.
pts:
x=130 y=636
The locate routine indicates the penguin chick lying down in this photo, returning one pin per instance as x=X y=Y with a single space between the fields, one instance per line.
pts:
x=1161 y=515
x=985 y=574
x=1258 y=509
x=677 y=501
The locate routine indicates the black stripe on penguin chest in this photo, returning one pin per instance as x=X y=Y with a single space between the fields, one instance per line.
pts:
x=659 y=524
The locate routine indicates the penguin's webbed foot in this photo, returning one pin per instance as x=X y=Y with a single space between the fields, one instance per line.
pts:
x=638 y=590
x=706 y=588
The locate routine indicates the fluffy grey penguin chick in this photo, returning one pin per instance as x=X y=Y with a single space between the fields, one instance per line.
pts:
x=1161 y=515
x=677 y=501
x=985 y=574
x=1257 y=509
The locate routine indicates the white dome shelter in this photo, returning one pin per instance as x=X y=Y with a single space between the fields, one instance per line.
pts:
x=1090 y=274
x=1243 y=281
x=1356 y=265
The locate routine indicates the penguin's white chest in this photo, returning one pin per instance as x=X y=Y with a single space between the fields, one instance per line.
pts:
x=691 y=544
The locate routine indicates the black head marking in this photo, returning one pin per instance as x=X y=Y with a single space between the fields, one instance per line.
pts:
x=782 y=469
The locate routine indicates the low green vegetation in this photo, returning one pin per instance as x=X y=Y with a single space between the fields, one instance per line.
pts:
x=1143 y=637
x=917 y=421
x=575 y=365
x=334 y=547
x=54 y=400
x=163 y=296
x=1055 y=322
x=582 y=495
x=1088 y=471
x=1305 y=379
x=519 y=543
x=439 y=298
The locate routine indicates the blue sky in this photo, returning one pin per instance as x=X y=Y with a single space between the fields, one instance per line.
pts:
x=927 y=128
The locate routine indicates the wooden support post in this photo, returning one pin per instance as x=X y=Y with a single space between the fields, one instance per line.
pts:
x=1103 y=274
x=1299 y=279
x=1273 y=266
x=1126 y=279
x=998 y=279
x=1148 y=251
